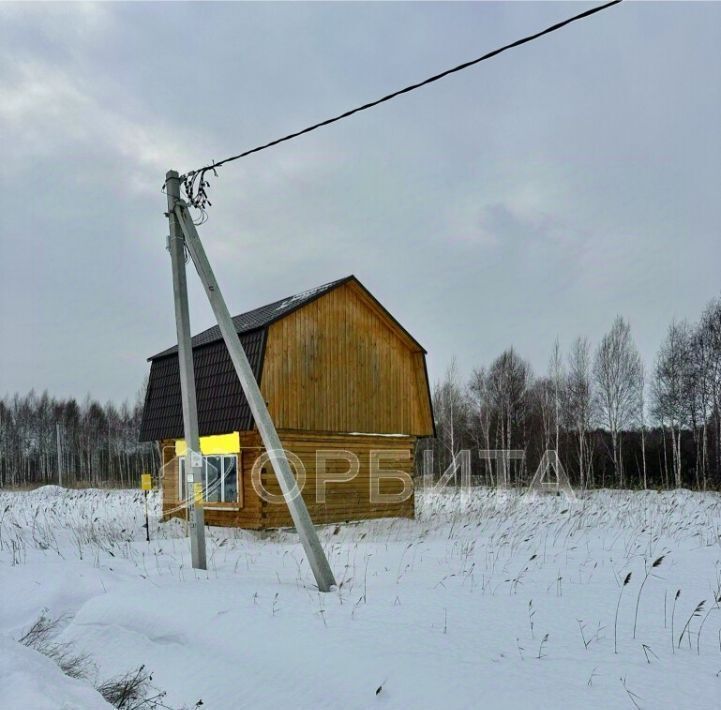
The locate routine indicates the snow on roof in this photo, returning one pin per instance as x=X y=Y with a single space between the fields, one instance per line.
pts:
x=260 y=317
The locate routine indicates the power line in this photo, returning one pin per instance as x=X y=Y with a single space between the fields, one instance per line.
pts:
x=195 y=183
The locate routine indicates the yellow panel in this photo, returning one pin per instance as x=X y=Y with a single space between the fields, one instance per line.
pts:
x=209 y=445
x=146 y=482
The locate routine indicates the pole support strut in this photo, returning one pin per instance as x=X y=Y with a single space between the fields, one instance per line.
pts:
x=296 y=505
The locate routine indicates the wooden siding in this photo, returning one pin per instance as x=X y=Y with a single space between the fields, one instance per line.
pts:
x=346 y=501
x=342 y=364
x=349 y=500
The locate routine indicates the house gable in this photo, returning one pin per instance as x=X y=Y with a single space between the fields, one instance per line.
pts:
x=342 y=363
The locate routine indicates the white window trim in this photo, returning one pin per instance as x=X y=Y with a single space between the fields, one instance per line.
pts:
x=222 y=457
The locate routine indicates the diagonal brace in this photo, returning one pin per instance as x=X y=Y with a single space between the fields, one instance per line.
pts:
x=269 y=435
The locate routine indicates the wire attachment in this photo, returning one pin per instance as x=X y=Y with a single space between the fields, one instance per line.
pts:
x=195 y=187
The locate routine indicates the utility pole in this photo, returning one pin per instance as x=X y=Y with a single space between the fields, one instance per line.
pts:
x=60 y=458
x=193 y=458
x=296 y=505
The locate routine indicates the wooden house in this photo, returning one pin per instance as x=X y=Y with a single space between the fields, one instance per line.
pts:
x=338 y=373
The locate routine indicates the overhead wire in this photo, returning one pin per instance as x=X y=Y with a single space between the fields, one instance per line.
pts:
x=195 y=183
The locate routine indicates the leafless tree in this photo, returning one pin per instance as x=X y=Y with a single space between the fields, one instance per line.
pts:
x=509 y=378
x=542 y=394
x=617 y=374
x=595 y=412
x=708 y=358
x=642 y=425
x=480 y=411
x=580 y=403
x=670 y=389
x=451 y=412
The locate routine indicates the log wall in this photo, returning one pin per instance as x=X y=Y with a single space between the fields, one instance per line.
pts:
x=344 y=501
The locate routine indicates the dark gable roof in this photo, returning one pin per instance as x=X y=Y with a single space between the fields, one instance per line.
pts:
x=261 y=317
x=222 y=406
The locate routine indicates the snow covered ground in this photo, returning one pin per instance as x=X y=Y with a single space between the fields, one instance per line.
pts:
x=481 y=602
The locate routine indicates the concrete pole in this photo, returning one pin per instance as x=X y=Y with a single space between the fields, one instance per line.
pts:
x=193 y=460
x=298 y=510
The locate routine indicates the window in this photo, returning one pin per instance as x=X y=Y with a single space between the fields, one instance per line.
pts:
x=220 y=479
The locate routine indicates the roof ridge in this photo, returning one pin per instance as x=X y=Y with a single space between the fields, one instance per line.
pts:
x=260 y=317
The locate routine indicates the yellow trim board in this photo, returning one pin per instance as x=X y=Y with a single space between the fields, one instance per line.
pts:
x=209 y=445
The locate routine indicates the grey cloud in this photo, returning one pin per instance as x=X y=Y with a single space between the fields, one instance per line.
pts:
x=536 y=195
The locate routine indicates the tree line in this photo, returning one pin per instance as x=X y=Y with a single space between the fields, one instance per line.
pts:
x=45 y=440
x=612 y=421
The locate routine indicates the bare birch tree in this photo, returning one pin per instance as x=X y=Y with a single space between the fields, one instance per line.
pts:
x=710 y=335
x=642 y=425
x=480 y=414
x=617 y=374
x=670 y=389
x=450 y=407
x=580 y=403
x=509 y=378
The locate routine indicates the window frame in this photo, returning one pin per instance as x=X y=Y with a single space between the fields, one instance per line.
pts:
x=182 y=483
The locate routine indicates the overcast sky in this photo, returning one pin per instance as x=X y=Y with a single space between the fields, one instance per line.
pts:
x=536 y=195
